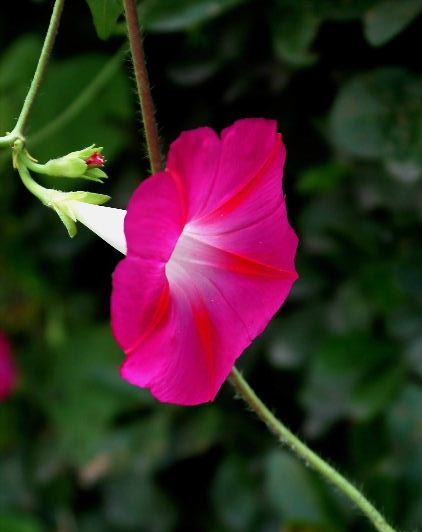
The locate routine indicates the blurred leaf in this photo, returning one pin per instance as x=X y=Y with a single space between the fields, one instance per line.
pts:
x=356 y=119
x=168 y=16
x=18 y=62
x=102 y=119
x=404 y=323
x=105 y=14
x=388 y=18
x=82 y=398
x=293 y=31
x=150 y=441
x=404 y=423
x=408 y=275
x=405 y=426
x=17 y=66
x=322 y=178
x=295 y=25
x=349 y=310
x=14 y=476
x=350 y=376
x=291 y=345
x=379 y=281
x=234 y=493
x=20 y=523
x=379 y=116
x=323 y=216
x=193 y=73
x=199 y=431
x=413 y=354
x=296 y=495
x=135 y=502
x=330 y=9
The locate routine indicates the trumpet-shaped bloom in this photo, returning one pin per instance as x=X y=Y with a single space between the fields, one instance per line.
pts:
x=8 y=369
x=210 y=260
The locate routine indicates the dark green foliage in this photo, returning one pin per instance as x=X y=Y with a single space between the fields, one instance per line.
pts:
x=81 y=449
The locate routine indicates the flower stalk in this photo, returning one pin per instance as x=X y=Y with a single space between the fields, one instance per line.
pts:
x=286 y=437
x=50 y=37
x=143 y=86
x=40 y=70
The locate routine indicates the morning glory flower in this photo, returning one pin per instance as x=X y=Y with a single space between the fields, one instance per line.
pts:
x=210 y=260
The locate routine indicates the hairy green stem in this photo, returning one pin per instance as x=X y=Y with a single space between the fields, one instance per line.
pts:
x=143 y=87
x=306 y=454
x=40 y=70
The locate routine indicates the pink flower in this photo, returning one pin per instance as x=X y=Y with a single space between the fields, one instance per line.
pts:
x=8 y=369
x=210 y=260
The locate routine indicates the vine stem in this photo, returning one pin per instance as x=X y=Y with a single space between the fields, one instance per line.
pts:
x=40 y=70
x=306 y=454
x=143 y=86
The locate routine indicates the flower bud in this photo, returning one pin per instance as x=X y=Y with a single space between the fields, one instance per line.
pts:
x=83 y=164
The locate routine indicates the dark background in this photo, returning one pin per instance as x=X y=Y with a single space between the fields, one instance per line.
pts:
x=81 y=449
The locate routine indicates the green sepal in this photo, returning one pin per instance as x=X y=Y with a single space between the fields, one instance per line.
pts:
x=95 y=174
x=65 y=167
x=93 y=198
x=61 y=202
x=68 y=222
x=85 y=153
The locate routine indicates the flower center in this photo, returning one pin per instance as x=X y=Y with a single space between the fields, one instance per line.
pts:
x=186 y=253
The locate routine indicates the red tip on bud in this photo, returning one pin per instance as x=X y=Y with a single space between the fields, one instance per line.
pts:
x=96 y=159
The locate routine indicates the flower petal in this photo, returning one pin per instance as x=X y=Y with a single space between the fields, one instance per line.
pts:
x=181 y=361
x=193 y=163
x=140 y=288
x=139 y=302
x=253 y=222
x=247 y=145
x=106 y=222
x=154 y=220
x=252 y=290
x=209 y=171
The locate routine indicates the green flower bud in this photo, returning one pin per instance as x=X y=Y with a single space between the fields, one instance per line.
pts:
x=83 y=164
x=65 y=167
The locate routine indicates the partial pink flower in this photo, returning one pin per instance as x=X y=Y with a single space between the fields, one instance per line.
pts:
x=210 y=260
x=8 y=369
